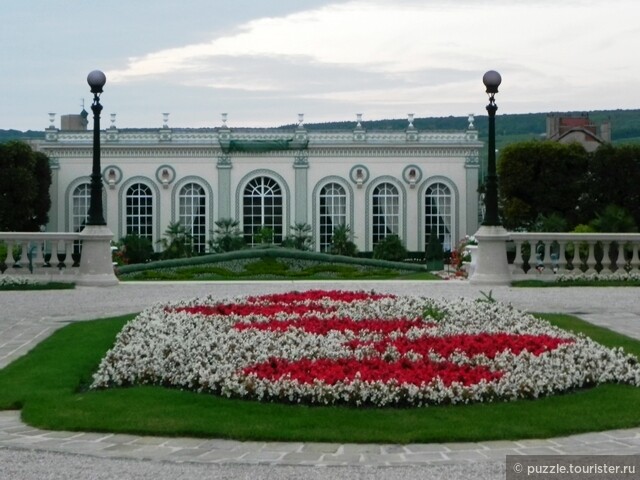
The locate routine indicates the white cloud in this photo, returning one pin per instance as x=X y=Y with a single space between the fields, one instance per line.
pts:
x=388 y=54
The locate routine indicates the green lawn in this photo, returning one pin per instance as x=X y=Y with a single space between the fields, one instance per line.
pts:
x=50 y=386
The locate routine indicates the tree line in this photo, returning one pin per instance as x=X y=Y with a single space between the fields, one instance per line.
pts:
x=548 y=186
x=24 y=188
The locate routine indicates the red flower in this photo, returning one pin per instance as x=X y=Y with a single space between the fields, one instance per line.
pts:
x=370 y=370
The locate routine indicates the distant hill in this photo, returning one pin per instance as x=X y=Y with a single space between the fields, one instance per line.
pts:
x=625 y=126
x=6 y=135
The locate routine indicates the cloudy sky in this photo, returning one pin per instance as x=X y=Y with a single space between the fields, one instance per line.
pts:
x=265 y=61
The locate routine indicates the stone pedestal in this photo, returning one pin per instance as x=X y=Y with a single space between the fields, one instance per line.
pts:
x=96 y=265
x=492 y=267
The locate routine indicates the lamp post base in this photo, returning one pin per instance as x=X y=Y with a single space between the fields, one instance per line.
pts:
x=492 y=267
x=96 y=265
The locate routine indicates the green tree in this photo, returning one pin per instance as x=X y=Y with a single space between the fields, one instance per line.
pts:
x=551 y=223
x=341 y=243
x=177 y=242
x=42 y=203
x=614 y=219
x=614 y=177
x=300 y=238
x=24 y=187
x=227 y=236
x=541 y=178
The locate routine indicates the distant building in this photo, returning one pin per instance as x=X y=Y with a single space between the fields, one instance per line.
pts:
x=379 y=183
x=577 y=128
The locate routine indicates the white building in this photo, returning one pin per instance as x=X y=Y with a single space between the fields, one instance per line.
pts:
x=377 y=182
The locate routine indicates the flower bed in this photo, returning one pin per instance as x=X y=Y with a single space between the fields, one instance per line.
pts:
x=358 y=348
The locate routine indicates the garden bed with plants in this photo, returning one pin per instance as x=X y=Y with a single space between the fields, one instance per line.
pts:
x=357 y=349
x=271 y=264
x=625 y=279
x=10 y=283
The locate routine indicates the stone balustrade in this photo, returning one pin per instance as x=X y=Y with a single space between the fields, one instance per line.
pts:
x=41 y=256
x=543 y=255
x=56 y=256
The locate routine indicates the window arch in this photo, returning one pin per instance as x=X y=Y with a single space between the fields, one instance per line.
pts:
x=262 y=207
x=192 y=214
x=80 y=201
x=139 y=211
x=333 y=212
x=438 y=202
x=385 y=203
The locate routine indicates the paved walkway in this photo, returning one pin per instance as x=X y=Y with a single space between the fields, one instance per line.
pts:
x=28 y=317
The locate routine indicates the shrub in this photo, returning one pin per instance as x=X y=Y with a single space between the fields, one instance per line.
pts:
x=390 y=248
x=178 y=242
x=434 y=253
x=614 y=219
x=301 y=238
x=135 y=249
x=341 y=243
x=264 y=236
x=228 y=236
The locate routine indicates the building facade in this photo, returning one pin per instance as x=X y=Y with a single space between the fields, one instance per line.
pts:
x=378 y=183
x=579 y=128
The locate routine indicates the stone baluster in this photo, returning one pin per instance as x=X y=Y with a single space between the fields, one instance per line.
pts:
x=562 y=261
x=547 y=262
x=607 y=267
x=55 y=254
x=9 y=261
x=576 y=261
x=518 y=262
x=23 y=261
x=37 y=258
x=621 y=261
x=591 y=259
x=68 y=254
x=635 y=259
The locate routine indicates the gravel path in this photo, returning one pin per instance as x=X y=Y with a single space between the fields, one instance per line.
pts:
x=25 y=453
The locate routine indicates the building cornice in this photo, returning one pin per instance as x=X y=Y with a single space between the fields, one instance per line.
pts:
x=214 y=139
x=169 y=151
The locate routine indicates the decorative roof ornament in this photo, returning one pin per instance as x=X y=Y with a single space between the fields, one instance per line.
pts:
x=471 y=119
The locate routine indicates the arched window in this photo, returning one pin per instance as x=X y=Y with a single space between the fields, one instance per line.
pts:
x=438 y=214
x=386 y=212
x=262 y=209
x=192 y=214
x=80 y=200
x=333 y=212
x=139 y=211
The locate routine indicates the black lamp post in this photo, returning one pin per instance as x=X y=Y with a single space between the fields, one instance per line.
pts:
x=96 y=81
x=491 y=80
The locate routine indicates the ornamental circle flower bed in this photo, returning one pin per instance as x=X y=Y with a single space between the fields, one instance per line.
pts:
x=357 y=348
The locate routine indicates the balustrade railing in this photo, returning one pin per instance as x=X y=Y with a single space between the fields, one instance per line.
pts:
x=544 y=255
x=40 y=256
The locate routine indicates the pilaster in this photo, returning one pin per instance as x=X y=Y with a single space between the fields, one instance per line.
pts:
x=224 y=186
x=301 y=167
